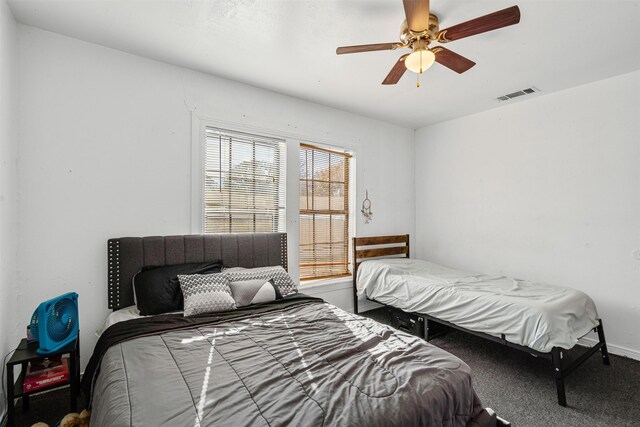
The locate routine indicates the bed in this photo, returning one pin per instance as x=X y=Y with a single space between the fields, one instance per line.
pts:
x=541 y=319
x=294 y=361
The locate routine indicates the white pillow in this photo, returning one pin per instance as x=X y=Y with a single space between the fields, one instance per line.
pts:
x=121 y=315
x=279 y=275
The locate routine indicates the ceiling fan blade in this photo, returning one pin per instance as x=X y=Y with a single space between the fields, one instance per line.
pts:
x=366 y=48
x=417 y=12
x=452 y=60
x=396 y=72
x=492 y=21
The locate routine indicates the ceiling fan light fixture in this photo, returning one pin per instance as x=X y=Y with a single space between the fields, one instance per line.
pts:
x=420 y=60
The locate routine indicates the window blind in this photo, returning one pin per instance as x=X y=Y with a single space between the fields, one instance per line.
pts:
x=244 y=182
x=324 y=213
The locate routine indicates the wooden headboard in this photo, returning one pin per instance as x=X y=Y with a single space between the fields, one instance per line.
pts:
x=376 y=247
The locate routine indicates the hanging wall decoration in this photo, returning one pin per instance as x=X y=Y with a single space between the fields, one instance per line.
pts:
x=366 y=208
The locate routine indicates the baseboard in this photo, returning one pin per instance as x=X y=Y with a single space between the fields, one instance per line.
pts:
x=612 y=348
x=367 y=305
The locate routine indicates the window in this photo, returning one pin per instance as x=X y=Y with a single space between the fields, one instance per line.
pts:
x=244 y=182
x=324 y=213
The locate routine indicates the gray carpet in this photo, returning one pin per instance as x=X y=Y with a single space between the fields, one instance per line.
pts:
x=49 y=407
x=521 y=388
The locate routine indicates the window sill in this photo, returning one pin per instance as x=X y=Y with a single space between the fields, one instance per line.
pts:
x=345 y=281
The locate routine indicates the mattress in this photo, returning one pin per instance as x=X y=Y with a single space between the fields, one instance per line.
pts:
x=536 y=315
x=297 y=361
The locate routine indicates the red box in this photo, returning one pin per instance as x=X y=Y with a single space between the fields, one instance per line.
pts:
x=52 y=374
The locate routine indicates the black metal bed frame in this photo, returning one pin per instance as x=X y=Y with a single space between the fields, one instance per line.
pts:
x=386 y=246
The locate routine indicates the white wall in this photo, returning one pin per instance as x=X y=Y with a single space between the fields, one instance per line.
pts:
x=8 y=182
x=105 y=151
x=546 y=189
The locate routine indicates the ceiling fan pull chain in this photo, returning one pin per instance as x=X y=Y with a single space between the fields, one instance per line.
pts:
x=418 y=74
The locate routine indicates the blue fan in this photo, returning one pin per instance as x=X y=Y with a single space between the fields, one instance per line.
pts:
x=55 y=323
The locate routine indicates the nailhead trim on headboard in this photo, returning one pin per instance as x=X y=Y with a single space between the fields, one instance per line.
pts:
x=114 y=273
x=283 y=252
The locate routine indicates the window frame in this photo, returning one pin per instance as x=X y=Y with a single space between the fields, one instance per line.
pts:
x=198 y=166
x=349 y=210
x=232 y=205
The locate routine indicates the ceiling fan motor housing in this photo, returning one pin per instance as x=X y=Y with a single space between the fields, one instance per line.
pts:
x=408 y=37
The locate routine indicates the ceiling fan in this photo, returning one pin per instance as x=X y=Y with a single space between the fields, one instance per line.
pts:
x=421 y=28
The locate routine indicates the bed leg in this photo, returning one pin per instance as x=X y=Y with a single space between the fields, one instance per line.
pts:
x=603 y=348
x=426 y=329
x=556 y=356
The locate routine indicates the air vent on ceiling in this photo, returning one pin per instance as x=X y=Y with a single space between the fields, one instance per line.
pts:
x=527 y=91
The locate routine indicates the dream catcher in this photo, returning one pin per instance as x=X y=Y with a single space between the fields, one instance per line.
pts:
x=366 y=208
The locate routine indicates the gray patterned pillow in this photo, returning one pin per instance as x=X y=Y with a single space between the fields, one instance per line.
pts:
x=206 y=293
x=247 y=292
x=279 y=275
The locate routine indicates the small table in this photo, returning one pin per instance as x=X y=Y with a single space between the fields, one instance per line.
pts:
x=25 y=353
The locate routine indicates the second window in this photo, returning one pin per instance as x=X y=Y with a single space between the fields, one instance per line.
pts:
x=324 y=213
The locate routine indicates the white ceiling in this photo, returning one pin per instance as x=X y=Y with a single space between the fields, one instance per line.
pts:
x=288 y=46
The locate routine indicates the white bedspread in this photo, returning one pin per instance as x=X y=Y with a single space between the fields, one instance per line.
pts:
x=535 y=315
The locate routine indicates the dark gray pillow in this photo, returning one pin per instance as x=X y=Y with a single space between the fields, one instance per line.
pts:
x=157 y=289
x=206 y=293
x=247 y=292
x=279 y=275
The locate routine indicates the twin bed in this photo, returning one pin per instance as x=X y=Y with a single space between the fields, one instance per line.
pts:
x=541 y=319
x=293 y=361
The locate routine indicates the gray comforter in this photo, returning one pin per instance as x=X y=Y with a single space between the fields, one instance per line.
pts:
x=305 y=363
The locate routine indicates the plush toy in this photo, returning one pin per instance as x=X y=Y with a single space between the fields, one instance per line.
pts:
x=40 y=425
x=76 y=420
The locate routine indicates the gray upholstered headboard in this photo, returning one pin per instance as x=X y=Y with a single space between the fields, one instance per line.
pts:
x=127 y=255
